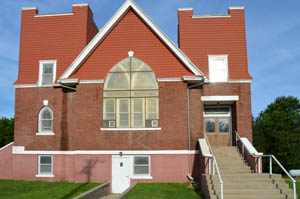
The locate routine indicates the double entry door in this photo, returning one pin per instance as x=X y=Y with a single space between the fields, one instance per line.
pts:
x=217 y=125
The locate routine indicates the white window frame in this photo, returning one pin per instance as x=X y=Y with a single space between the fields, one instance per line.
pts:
x=142 y=176
x=40 y=132
x=42 y=62
x=50 y=175
x=210 y=59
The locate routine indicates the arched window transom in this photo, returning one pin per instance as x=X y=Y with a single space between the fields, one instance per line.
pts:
x=130 y=96
x=45 y=120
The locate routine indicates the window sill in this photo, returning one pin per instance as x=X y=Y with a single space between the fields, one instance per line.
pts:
x=44 y=133
x=130 y=129
x=44 y=176
x=142 y=177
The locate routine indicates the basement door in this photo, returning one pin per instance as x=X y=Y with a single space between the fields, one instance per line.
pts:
x=120 y=174
x=217 y=125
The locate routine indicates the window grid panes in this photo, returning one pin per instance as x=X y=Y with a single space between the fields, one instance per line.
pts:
x=45 y=164
x=135 y=82
x=47 y=75
x=141 y=165
x=224 y=125
x=210 y=125
x=46 y=120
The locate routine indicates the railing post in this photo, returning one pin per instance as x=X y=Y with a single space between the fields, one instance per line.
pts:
x=214 y=166
x=243 y=150
x=221 y=190
x=259 y=165
x=270 y=165
x=209 y=166
x=294 y=189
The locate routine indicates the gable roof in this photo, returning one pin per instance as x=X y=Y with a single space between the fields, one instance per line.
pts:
x=100 y=36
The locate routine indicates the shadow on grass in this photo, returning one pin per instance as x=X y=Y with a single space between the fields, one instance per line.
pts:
x=73 y=191
x=198 y=191
x=87 y=170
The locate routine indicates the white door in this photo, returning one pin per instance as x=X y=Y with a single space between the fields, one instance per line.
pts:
x=120 y=174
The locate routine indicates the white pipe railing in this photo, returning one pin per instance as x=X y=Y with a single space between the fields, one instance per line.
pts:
x=270 y=163
x=285 y=171
x=215 y=167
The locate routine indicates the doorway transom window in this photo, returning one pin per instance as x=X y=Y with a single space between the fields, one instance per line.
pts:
x=130 y=96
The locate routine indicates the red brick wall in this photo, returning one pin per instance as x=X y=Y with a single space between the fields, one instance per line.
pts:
x=131 y=34
x=200 y=37
x=241 y=110
x=58 y=38
x=78 y=118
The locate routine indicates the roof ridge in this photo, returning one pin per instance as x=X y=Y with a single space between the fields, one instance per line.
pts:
x=90 y=47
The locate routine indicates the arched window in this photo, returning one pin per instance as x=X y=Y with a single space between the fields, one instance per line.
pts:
x=130 y=97
x=46 y=120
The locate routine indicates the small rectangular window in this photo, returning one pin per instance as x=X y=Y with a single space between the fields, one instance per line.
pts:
x=210 y=125
x=216 y=111
x=47 y=73
x=224 y=125
x=141 y=165
x=218 y=68
x=45 y=165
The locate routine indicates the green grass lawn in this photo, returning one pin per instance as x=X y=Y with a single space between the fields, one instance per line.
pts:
x=11 y=189
x=297 y=185
x=163 y=191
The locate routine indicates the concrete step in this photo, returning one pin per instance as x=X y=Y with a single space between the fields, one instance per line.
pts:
x=243 y=186
x=240 y=182
x=232 y=167
x=247 y=176
x=240 y=171
x=249 y=183
x=248 y=191
x=251 y=196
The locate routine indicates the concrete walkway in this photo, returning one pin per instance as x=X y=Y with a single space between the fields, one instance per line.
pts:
x=111 y=196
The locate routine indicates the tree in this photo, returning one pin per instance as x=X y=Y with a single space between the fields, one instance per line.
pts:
x=6 y=131
x=277 y=131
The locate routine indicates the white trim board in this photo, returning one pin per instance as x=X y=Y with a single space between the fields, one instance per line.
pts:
x=211 y=16
x=6 y=146
x=96 y=81
x=54 y=14
x=130 y=129
x=21 y=150
x=25 y=85
x=108 y=27
x=220 y=98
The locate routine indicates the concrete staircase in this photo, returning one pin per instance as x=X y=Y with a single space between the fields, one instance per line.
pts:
x=240 y=182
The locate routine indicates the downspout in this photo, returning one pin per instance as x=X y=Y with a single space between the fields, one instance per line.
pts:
x=188 y=111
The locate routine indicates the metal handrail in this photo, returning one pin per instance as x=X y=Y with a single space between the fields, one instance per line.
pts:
x=287 y=173
x=237 y=136
x=215 y=165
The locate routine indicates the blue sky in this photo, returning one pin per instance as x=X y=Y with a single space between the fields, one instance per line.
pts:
x=272 y=28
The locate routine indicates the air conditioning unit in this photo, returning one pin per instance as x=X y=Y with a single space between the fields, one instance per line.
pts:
x=154 y=123
x=111 y=124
